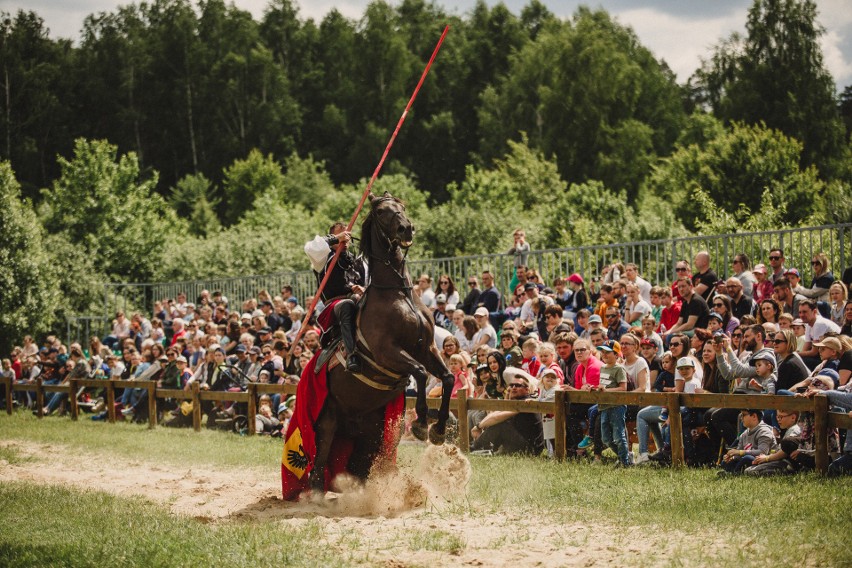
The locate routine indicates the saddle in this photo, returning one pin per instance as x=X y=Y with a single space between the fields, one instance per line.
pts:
x=333 y=355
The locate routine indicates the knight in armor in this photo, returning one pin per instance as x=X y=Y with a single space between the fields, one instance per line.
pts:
x=343 y=289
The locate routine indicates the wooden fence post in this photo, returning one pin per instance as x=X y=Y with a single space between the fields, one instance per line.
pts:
x=821 y=433
x=72 y=399
x=252 y=409
x=152 y=405
x=110 y=398
x=559 y=421
x=675 y=429
x=39 y=397
x=464 y=431
x=196 y=408
x=9 y=403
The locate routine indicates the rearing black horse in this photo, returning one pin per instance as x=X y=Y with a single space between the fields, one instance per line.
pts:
x=398 y=331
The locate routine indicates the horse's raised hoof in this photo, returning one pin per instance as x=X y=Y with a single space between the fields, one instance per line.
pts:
x=418 y=430
x=435 y=437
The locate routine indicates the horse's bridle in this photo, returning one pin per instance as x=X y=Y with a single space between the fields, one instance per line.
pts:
x=393 y=244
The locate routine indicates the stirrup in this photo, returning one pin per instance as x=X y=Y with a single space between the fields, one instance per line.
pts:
x=353 y=364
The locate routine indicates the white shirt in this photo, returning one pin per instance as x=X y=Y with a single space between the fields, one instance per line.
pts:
x=427 y=296
x=691 y=385
x=819 y=329
x=634 y=370
x=490 y=332
x=644 y=288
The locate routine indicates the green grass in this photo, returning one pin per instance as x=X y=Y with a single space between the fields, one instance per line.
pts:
x=799 y=520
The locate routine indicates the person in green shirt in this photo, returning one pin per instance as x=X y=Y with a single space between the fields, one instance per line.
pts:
x=613 y=417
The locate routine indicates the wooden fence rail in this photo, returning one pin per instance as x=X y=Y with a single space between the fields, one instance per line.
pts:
x=462 y=406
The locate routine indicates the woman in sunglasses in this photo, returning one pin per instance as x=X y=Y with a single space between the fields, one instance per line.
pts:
x=447 y=287
x=821 y=283
x=791 y=368
x=722 y=306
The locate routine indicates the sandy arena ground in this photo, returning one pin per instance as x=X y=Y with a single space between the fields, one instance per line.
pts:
x=378 y=524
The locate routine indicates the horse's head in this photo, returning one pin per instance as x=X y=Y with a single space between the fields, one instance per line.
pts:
x=387 y=221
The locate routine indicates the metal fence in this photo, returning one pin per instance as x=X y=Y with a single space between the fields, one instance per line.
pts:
x=656 y=261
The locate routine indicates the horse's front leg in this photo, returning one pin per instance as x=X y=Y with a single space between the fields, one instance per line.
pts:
x=399 y=359
x=435 y=365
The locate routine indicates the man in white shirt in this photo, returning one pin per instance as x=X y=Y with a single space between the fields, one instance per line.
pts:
x=817 y=327
x=427 y=295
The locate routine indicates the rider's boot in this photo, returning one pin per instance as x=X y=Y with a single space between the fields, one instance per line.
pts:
x=347 y=332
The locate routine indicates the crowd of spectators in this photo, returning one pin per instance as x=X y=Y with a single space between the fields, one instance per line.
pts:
x=761 y=330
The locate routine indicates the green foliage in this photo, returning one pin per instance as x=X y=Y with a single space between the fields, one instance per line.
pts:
x=776 y=75
x=587 y=92
x=102 y=204
x=245 y=180
x=734 y=170
x=192 y=198
x=28 y=289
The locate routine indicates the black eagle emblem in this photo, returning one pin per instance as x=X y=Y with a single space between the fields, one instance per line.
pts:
x=298 y=459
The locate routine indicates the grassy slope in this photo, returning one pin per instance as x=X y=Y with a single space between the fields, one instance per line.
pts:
x=799 y=520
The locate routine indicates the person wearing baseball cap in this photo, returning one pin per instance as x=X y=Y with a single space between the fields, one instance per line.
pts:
x=764 y=287
x=613 y=416
x=486 y=335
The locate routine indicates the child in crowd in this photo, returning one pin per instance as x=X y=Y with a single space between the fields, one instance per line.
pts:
x=757 y=439
x=547 y=393
x=785 y=321
x=799 y=329
x=547 y=356
x=530 y=363
x=764 y=382
x=656 y=303
x=613 y=417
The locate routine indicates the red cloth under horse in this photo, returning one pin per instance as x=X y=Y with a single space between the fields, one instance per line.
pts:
x=300 y=444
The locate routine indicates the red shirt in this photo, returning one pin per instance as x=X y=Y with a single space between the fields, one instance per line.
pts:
x=588 y=374
x=531 y=366
x=16 y=366
x=669 y=316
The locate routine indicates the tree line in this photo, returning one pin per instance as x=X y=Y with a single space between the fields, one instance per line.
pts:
x=179 y=141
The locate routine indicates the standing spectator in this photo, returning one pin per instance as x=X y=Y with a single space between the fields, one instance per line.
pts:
x=704 y=280
x=615 y=326
x=566 y=360
x=613 y=423
x=520 y=250
x=776 y=261
x=447 y=287
x=631 y=273
x=742 y=272
x=764 y=287
x=823 y=278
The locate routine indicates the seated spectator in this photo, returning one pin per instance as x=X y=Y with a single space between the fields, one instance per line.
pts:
x=769 y=312
x=788 y=442
x=817 y=327
x=741 y=305
x=510 y=431
x=704 y=279
x=670 y=313
x=636 y=307
x=757 y=439
x=742 y=272
x=486 y=335
x=791 y=368
x=822 y=280
x=648 y=418
x=764 y=287
x=693 y=312
x=837 y=295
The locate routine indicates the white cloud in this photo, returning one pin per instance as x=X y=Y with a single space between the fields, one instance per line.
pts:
x=681 y=42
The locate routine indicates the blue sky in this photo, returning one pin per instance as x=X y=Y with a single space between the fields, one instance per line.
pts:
x=679 y=31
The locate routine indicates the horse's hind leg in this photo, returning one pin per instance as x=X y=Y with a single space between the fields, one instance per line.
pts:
x=324 y=430
x=368 y=445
